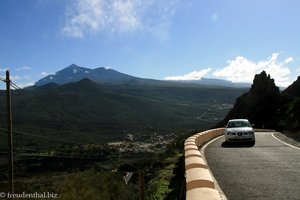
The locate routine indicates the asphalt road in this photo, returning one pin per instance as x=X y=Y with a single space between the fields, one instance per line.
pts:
x=268 y=170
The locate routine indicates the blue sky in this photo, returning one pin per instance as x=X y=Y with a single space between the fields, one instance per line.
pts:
x=160 y=39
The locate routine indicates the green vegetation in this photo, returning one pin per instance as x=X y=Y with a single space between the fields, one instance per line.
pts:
x=92 y=185
x=164 y=174
x=87 y=112
x=168 y=182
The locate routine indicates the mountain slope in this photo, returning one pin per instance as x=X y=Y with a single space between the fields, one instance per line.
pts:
x=293 y=90
x=291 y=109
x=91 y=111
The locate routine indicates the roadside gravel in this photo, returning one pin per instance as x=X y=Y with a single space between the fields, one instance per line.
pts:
x=286 y=139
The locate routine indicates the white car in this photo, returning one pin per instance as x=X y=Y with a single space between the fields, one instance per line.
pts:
x=239 y=130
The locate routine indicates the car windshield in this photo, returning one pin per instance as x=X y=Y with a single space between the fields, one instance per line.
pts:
x=236 y=124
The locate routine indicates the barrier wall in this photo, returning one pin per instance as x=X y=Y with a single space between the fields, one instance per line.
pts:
x=264 y=130
x=199 y=182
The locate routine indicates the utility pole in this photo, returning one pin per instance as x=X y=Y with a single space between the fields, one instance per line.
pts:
x=9 y=134
x=141 y=184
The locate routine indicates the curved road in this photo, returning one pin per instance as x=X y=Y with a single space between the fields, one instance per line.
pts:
x=268 y=170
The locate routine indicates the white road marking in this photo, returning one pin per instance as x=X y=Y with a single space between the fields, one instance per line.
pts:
x=285 y=142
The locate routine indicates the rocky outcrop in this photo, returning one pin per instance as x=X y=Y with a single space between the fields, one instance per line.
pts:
x=266 y=107
x=259 y=105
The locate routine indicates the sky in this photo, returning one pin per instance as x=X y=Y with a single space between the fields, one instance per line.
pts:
x=159 y=39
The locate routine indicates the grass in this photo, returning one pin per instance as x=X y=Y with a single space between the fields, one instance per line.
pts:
x=93 y=184
x=167 y=183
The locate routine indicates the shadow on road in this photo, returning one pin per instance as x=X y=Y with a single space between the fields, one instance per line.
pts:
x=237 y=144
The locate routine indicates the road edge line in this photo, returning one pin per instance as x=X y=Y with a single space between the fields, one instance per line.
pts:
x=202 y=151
x=285 y=142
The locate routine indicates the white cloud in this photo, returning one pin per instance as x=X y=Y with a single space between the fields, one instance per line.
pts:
x=23 y=85
x=3 y=69
x=85 y=17
x=298 y=70
x=125 y=15
x=243 y=70
x=26 y=77
x=44 y=74
x=288 y=60
x=15 y=78
x=195 y=75
x=23 y=68
x=214 y=17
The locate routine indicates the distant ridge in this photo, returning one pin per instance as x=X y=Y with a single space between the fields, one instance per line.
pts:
x=75 y=73
x=218 y=82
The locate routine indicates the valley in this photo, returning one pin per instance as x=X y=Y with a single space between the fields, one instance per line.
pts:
x=62 y=130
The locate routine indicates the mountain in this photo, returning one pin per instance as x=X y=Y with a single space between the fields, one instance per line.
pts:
x=291 y=109
x=74 y=73
x=219 y=82
x=267 y=107
x=89 y=111
x=293 y=90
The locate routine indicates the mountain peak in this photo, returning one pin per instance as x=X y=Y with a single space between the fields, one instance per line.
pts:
x=259 y=104
x=72 y=66
x=74 y=73
x=263 y=84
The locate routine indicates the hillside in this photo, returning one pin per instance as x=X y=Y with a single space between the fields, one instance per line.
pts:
x=291 y=109
x=97 y=112
x=266 y=107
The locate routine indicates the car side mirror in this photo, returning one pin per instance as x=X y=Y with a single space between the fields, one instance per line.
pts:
x=252 y=125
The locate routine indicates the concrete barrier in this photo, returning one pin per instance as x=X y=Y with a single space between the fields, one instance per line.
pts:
x=194 y=162
x=190 y=147
x=192 y=153
x=189 y=143
x=203 y=193
x=197 y=178
x=199 y=182
x=263 y=130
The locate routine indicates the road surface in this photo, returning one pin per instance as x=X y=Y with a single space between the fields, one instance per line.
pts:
x=268 y=170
